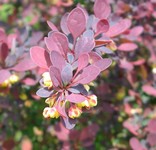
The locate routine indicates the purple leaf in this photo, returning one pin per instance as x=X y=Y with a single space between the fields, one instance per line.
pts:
x=40 y=56
x=4 y=75
x=44 y=92
x=67 y=74
x=78 y=89
x=127 y=47
x=84 y=45
x=57 y=60
x=102 y=9
x=119 y=28
x=68 y=122
x=83 y=61
x=76 y=22
x=24 y=65
x=52 y=26
x=63 y=24
x=89 y=74
x=55 y=76
x=103 y=64
x=151 y=139
x=102 y=26
x=76 y=98
x=57 y=42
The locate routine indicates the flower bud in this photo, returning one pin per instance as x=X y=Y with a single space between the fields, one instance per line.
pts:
x=13 y=79
x=83 y=104
x=111 y=46
x=50 y=112
x=92 y=100
x=46 y=79
x=74 y=112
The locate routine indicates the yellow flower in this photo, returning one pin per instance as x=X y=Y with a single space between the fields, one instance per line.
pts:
x=74 y=112
x=46 y=79
x=13 y=78
x=111 y=46
x=92 y=100
x=50 y=112
x=83 y=104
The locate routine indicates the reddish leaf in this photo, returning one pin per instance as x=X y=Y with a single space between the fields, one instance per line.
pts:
x=4 y=75
x=24 y=65
x=151 y=139
x=83 y=61
x=57 y=42
x=52 y=26
x=149 y=90
x=57 y=60
x=126 y=65
x=84 y=45
x=136 y=145
x=138 y=62
x=103 y=64
x=127 y=47
x=67 y=74
x=94 y=57
x=136 y=31
x=3 y=52
x=152 y=126
x=102 y=9
x=40 y=56
x=89 y=74
x=63 y=24
x=75 y=98
x=76 y=22
x=119 y=28
x=102 y=26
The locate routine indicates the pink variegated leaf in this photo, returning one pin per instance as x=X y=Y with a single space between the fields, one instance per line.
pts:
x=52 y=26
x=24 y=65
x=89 y=74
x=119 y=28
x=57 y=60
x=4 y=75
x=57 y=42
x=136 y=145
x=83 y=61
x=76 y=98
x=127 y=47
x=55 y=76
x=67 y=74
x=102 y=9
x=84 y=45
x=63 y=24
x=61 y=108
x=149 y=90
x=3 y=37
x=102 y=26
x=40 y=56
x=103 y=64
x=76 y=22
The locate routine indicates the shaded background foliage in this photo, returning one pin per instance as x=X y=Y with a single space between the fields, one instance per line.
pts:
x=125 y=115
